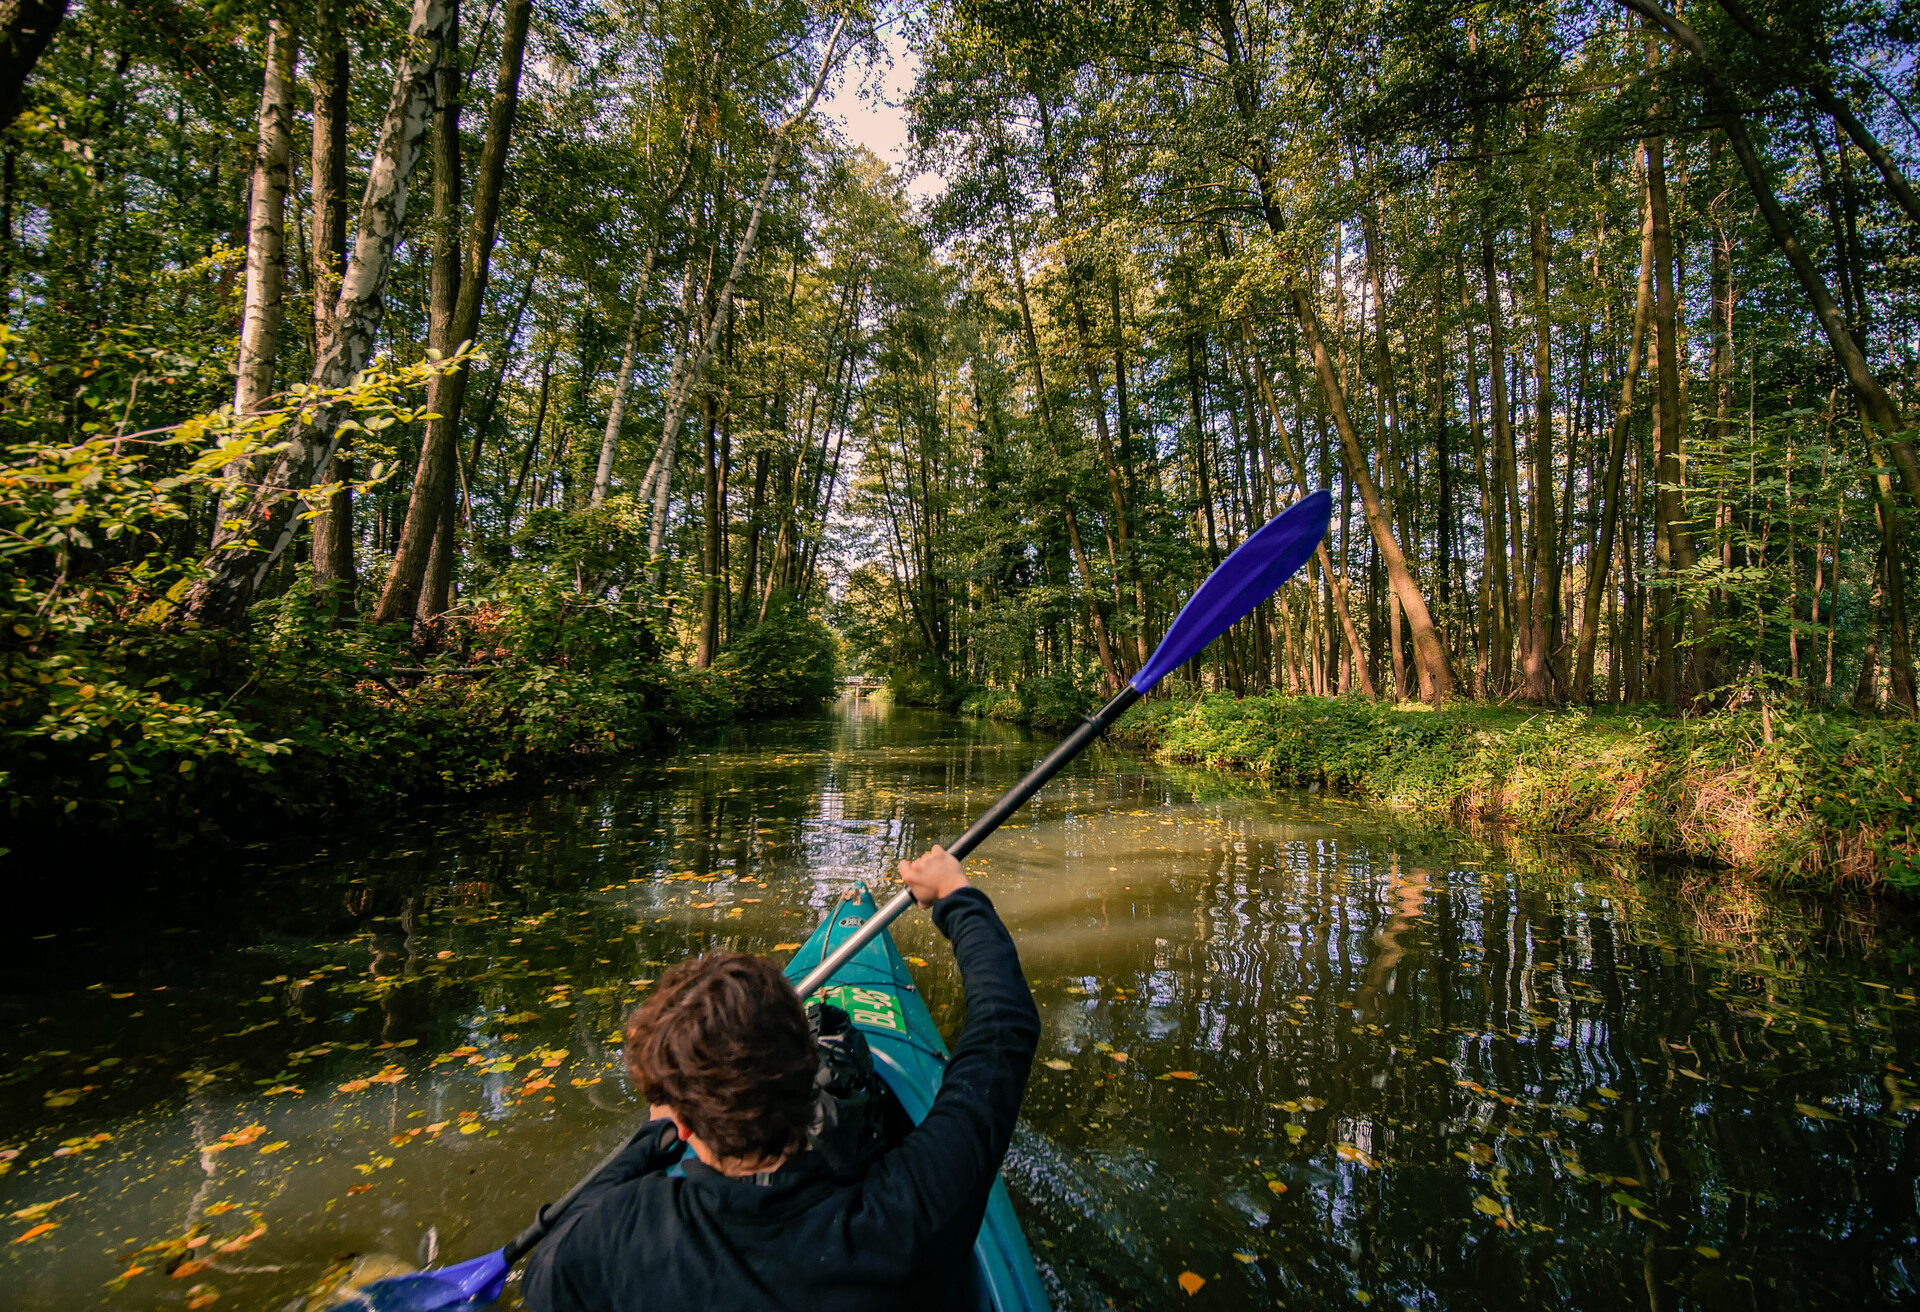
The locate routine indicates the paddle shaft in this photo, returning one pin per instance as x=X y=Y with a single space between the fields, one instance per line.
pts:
x=1010 y=801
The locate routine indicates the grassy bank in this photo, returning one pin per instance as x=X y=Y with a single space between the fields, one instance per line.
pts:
x=1818 y=800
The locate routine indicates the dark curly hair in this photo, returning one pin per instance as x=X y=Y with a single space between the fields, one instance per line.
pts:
x=724 y=1041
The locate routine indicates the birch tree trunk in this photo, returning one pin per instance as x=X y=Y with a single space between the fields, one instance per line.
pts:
x=417 y=584
x=617 y=411
x=248 y=543
x=717 y=312
x=265 y=303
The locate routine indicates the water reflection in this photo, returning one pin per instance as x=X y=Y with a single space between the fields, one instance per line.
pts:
x=1304 y=1052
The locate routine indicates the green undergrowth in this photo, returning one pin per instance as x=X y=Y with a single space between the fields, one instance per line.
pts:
x=133 y=728
x=1823 y=800
x=1052 y=703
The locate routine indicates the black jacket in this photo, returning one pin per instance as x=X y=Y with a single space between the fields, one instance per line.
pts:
x=896 y=1232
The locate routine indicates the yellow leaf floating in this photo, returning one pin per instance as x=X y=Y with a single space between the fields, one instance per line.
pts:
x=36 y=1232
x=1707 y=1252
x=786 y=947
x=1191 y=1282
x=39 y=1210
x=1348 y=1152
x=917 y=961
x=1818 y=1113
x=1055 y=1064
x=1482 y=1203
x=1182 y=1075
x=1118 y=1056
x=1277 y=1186
x=1247 y=1258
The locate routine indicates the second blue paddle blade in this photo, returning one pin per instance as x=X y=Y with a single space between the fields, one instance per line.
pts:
x=1254 y=572
x=469 y=1285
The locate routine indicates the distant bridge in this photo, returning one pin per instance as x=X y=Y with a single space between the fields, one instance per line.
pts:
x=861 y=684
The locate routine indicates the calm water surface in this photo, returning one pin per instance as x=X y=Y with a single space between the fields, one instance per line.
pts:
x=1296 y=1051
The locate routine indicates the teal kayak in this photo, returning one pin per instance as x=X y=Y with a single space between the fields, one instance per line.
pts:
x=877 y=992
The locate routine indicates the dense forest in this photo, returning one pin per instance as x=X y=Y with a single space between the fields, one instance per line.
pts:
x=462 y=382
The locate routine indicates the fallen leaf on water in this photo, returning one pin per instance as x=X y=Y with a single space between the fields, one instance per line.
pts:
x=1312 y=1104
x=354 y=1086
x=1692 y=1075
x=1248 y=1258
x=36 y=1232
x=1295 y=1132
x=786 y=947
x=1709 y=1253
x=194 y=1267
x=1182 y=1075
x=273 y=1147
x=1118 y=1056
x=1818 y=1113
x=1055 y=1064
x=1348 y=1152
x=441 y=956
x=471 y=1127
x=201 y=1296
x=390 y=1075
x=1482 y=1203
x=1191 y=1282
x=221 y=1209
x=1628 y=1201
x=284 y=1088
x=39 y=1210
x=1278 y=1186
x=917 y=961
x=353 y=1189
x=129 y=1273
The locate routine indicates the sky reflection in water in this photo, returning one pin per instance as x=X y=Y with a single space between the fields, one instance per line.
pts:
x=1294 y=1048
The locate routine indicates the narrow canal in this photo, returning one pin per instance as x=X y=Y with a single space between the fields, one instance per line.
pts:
x=1297 y=1053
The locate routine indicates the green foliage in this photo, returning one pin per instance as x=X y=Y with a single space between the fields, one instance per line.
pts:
x=788 y=662
x=1051 y=702
x=1820 y=799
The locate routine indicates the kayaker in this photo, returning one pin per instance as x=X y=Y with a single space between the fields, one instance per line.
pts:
x=723 y=1054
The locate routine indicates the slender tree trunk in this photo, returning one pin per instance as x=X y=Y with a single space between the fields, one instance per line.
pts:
x=710 y=553
x=717 y=313
x=333 y=564
x=1537 y=676
x=266 y=227
x=245 y=548
x=1616 y=460
x=1500 y=637
x=418 y=583
x=1436 y=673
x=533 y=443
x=1669 y=497
x=1883 y=417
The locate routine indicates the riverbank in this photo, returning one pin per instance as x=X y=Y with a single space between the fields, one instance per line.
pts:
x=130 y=731
x=1823 y=801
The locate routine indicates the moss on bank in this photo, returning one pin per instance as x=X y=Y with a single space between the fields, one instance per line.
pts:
x=1828 y=802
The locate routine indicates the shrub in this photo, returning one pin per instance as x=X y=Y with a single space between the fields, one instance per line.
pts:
x=788 y=662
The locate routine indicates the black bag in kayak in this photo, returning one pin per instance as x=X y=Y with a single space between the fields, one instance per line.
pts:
x=855 y=1115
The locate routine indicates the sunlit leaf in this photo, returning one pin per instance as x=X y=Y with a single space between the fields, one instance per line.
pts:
x=1191 y=1282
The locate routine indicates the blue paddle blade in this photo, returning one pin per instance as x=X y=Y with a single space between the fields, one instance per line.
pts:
x=1243 y=580
x=469 y=1285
